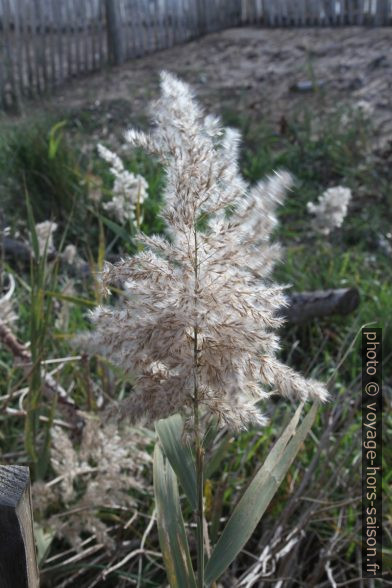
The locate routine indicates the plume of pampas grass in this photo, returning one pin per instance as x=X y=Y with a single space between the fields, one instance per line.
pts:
x=198 y=324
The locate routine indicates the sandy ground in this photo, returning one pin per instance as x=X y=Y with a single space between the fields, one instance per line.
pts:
x=255 y=70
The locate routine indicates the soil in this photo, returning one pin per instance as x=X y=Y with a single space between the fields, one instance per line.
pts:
x=253 y=70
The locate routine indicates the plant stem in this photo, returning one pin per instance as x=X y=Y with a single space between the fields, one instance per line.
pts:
x=198 y=443
x=200 y=516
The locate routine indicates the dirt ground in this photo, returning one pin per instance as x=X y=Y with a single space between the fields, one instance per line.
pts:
x=254 y=70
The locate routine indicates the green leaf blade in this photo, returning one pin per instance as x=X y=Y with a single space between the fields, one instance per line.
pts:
x=258 y=495
x=171 y=530
x=179 y=455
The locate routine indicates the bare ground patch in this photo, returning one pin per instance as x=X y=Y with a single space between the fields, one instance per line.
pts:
x=251 y=70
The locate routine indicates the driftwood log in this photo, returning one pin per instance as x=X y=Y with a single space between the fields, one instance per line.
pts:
x=305 y=306
x=18 y=564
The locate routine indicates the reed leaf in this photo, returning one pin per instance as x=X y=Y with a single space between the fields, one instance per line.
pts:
x=179 y=454
x=259 y=494
x=171 y=530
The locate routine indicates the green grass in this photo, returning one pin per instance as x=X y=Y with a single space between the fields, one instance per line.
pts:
x=48 y=165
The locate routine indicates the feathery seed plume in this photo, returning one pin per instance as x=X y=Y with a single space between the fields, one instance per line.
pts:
x=201 y=310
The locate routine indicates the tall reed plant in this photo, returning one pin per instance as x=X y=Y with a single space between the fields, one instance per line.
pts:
x=198 y=328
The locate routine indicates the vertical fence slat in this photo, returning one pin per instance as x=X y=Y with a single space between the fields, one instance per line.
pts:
x=144 y=19
x=135 y=9
x=328 y=11
x=135 y=14
x=102 y=39
x=58 y=18
x=201 y=16
x=382 y=11
x=114 y=24
x=19 y=45
x=92 y=18
x=360 y=9
x=85 y=33
x=49 y=9
x=68 y=38
x=151 y=26
x=29 y=47
x=183 y=21
x=176 y=19
x=154 y=24
x=13 y=98
x=76 y=17
x=3 y=103
x=42 y=24
x=130 y=42
x=35 y=47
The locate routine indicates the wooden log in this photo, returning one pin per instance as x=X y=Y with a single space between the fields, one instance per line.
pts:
x=304 y=306
x=18 y=563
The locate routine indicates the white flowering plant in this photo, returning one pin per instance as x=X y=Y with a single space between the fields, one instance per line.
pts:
x=197 y=329
x=330 y=210
x=129 y=190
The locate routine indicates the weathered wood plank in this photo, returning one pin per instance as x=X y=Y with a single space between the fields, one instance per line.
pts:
x=54 y=53
x=68 y=40
x=201 y=17
x=58 y=19
x=360 y=12
x=18 y=565
x=382 y=13
x=114 y=32
x=152 y=28
x=304 y=306
x=11 y=92
x=85 y=34
x=19 y=45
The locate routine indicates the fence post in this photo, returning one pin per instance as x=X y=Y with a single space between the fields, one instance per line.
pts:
x=201 y=17
x=18 y=564
x=115 y=32
x=382 y=13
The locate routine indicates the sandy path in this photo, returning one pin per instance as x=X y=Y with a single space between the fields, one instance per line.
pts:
x=254 y=69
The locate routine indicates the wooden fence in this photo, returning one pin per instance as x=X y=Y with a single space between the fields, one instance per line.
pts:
x=44 y=43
